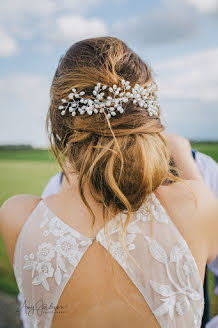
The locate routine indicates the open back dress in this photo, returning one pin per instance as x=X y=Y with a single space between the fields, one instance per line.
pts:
x=161 y=265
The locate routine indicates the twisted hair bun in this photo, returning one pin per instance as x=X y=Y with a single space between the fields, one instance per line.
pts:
x=125 y=159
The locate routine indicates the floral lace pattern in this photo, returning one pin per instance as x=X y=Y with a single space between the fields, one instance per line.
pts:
x=179 y=292
x=173 y=280
x=67 y=247
x=145 y=215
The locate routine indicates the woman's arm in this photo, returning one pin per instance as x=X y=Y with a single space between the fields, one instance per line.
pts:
x=180 y=150
x=206 y=215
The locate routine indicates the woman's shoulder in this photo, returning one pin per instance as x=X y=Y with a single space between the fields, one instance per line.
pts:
x=13 y=214
x=194 y=209
x=191 y=192
x=18 y=204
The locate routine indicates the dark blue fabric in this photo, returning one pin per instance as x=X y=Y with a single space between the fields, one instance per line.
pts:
x=61 y=177
x=206 y=315
x=193 y=153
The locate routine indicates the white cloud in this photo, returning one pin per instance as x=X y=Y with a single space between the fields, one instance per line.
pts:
x=194 y=119
x=24 y=103
x=204 y=6
x=8 y=45
x=24 y=19
x=22 y=8
x=170 y=22
x=188 y=90
x=77 y=6
x=71 y=28
x=194 y=76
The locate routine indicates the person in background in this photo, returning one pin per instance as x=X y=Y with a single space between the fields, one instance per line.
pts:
x=209 y=171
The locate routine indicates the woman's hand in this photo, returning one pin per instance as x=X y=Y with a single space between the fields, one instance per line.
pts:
x=181 y=152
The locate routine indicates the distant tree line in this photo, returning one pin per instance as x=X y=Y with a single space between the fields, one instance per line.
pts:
x=15 y=147
x=212 y=142
x=30 y=147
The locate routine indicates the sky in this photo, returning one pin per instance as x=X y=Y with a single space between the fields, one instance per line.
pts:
x=177 y=38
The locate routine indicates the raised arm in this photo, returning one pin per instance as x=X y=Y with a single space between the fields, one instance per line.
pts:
x=206 y=214
x=180 y=150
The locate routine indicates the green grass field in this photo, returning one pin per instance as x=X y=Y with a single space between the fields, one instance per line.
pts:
x=36 y=155
x=210 y=149
x=21 y=172
x=28 y=171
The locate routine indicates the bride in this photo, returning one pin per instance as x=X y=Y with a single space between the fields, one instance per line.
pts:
x=127 y=243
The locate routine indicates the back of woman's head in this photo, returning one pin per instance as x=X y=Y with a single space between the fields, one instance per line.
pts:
x=125 y=158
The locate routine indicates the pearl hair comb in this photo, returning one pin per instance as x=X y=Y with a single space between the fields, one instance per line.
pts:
x=143 y=96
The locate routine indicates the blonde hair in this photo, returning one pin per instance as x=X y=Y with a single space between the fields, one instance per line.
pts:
x=124 y=159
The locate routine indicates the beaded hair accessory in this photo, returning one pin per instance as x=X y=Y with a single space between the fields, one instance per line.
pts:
x=143 y=96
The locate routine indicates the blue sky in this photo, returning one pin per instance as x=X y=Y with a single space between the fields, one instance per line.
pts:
x=178 y=38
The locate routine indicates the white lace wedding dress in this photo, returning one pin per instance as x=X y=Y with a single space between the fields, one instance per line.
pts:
x=48 y=251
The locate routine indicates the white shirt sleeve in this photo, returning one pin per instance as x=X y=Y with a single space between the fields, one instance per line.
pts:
x=209 y=170
x=53 y=185
x=213 y=323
